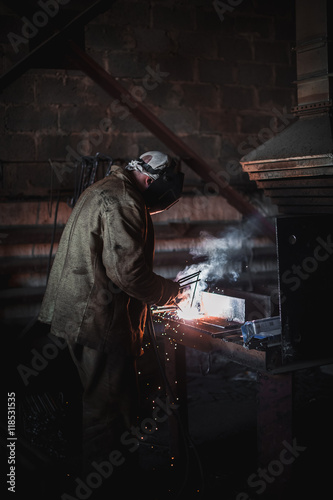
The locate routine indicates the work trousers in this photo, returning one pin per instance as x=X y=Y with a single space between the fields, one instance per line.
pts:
x=109 y=401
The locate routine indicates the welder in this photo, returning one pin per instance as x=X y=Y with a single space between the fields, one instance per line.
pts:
x=100 y=286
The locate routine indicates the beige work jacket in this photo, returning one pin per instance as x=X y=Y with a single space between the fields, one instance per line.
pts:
x=101 y=279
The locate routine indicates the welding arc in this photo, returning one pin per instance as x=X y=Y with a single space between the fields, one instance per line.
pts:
x=188 y=443
x=183 y=284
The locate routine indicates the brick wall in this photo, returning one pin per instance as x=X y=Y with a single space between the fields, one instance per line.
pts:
x=221 y=80
x=216 y=82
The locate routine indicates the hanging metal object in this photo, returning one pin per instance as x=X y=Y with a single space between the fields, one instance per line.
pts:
x=86 y=173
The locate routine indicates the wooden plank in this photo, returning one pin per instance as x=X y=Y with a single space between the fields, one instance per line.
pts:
x=192 y=229
x=320 y=182
x=294 y=163
x=16 y=235
x=301 y=209
x=36 y=234
x=280 y=174
x=302 y=201
x=300 y=192
x=22 y=295
x=15 y=265
x=32 y=180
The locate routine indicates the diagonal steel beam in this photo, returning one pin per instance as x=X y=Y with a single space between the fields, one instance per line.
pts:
x=31 y=59
x=97 y=73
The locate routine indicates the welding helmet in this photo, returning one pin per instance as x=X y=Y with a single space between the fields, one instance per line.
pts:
x=167 y=187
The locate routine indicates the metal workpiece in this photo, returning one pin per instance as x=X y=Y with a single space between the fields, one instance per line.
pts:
x=207 y=336
x=298 y=337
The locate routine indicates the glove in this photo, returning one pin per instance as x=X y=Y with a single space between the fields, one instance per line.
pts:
x=170 y=292
x=174 y=287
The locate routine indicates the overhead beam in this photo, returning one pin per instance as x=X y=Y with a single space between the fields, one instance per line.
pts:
x=97 y=73
x=59 y=36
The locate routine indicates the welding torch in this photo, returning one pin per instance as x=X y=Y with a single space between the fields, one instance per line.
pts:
x=189 y=280
x=184 y=282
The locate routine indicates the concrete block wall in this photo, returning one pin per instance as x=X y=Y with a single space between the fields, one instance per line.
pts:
x=221 y=78
x=213 y=77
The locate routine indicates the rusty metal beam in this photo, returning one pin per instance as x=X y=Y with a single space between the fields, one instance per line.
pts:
x=187 y=333
x=55 y=38
x=83 y=61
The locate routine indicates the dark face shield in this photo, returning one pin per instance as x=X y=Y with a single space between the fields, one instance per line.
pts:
x=165 y=191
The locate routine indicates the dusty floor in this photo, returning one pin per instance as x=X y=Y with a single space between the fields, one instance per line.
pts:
x=222 y=413
x=219 y=458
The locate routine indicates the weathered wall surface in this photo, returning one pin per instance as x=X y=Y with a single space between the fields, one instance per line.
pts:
x=220 y=78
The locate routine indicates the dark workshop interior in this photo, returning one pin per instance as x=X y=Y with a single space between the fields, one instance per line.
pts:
x=239 y=92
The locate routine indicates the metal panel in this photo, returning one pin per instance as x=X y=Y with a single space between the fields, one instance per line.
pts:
x=303 y=150
x=223 y=306
x=305 y=263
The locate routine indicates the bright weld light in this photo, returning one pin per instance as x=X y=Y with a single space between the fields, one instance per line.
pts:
x=187 y=311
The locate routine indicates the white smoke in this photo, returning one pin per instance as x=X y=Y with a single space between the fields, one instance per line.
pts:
x=224 y=256
x=221 y=253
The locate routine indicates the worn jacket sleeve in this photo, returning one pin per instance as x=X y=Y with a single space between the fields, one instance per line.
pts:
x=124 y=226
